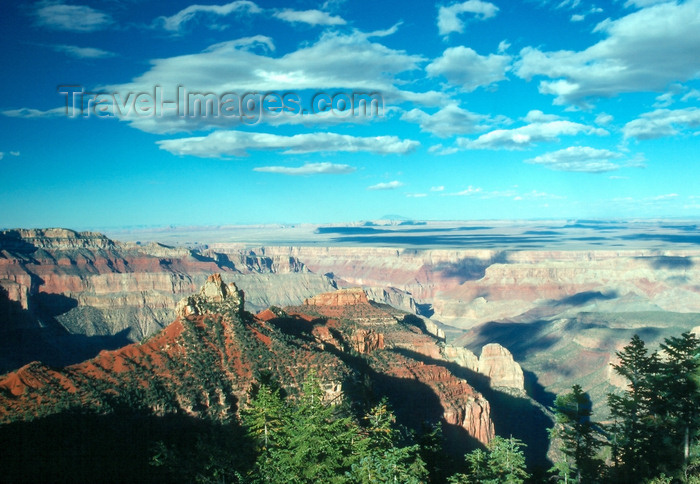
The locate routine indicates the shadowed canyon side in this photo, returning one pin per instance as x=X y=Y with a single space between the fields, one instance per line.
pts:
x=562 y=314
x=64 y=295
x=205 y=363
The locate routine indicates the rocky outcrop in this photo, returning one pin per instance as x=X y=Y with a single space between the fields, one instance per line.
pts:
x=462 y=356
x=343 y=297
x=497 y=363
x=214 y=297
x=393 y=297
x=351 y=303
x=365 y=341
x=15 y=291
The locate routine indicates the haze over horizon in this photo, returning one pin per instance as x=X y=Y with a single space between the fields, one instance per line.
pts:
x=493 y=110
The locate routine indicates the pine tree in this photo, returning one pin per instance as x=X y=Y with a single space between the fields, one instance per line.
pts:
x=507 y=461
x=577 y=434
x=504 y=463
x=318 y=443
x=680 y=392
x=382 y=458
x=635 y=422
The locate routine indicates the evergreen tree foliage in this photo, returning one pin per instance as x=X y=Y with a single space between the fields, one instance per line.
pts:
x=382 y=458
x=635 y=422
x=578 y=437
x=679 y=390
x=504 y=463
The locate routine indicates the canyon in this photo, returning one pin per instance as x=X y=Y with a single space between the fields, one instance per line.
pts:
x=206 y=363
x=561 y=314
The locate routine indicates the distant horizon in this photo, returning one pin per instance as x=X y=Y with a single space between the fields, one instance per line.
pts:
x=658 y=235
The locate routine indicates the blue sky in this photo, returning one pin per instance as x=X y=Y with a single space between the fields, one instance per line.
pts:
x=490 y=110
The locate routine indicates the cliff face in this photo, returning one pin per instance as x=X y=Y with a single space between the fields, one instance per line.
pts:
x=497 y=363
x=205 y=362
x=84 y=284
x=465 y=288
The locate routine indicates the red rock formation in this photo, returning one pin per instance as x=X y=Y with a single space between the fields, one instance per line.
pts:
x=497 y=363
x=365 y=341
x=343 y=297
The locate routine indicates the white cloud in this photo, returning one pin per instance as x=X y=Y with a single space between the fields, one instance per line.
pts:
x=416 y=195
x=392 y=185
x=237 y=143
x=324 y=168
x=73 y=18
x=528 y=135
x=336 y=62
x=667 y=196
x=469 y=191
x=448 y=121
x=463 y=67
x=643 y=51
x=603 y=118
x=311 y=17
x=662 y=122
x=437 y=189
x=537 y=116
x=11 y=153
x=175 y=22
x=83 y=52
x=579 y=159
x=448 y=17
x=35 y=113
x=690 y=95
x=503 y=46
x=440 y=150
x=577 y=17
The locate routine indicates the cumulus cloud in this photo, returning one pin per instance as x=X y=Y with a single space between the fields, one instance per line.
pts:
x=392 y=185
x=447 y=121
x=579 y=159
x=73 y=18
x=311 y=17
x=463 y=67
x=237 y=143
x=336 y=62
x=176 y=22
x=83 y=52
x=324 y=168
x=662 y=122
x=526 y=136
x=642 y=51
x=448 y=17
